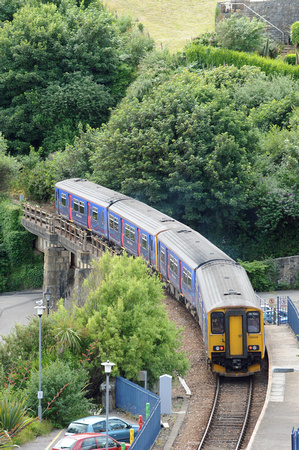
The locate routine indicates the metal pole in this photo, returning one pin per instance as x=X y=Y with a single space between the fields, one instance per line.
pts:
x=107 y=408
x=40 y=370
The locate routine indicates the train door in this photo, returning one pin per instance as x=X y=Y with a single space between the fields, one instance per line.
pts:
x=88 y=216
x=235 y=325
x=70 y=208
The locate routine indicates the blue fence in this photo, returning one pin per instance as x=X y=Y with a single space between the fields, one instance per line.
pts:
x=295 y=439
x=293 y=317
x=133 y=398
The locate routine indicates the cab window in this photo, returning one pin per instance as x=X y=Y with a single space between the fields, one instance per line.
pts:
x=253 y=322
x=217 y=322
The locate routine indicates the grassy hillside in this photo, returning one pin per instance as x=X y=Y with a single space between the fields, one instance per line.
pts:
x=172 y=23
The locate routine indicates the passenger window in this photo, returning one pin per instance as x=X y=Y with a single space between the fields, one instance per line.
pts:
x=116 y=424
x=99 y=427
x=127 y=231
x=89 y=444
x=111 y=221
x=115 y=224
x=162 y=254
x=76 y=205
x=81 y=208
x=144 y=241
x=185 y=276
x=189 y=283
x=103 y=217
x=63 y=199
x=132 y=234
x=217 y=323
x=95 y=213
x=253 y=322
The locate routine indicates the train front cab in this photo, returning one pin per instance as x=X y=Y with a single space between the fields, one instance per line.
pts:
x=236 y=341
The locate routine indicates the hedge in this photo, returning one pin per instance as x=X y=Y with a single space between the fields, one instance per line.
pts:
x=211 y=56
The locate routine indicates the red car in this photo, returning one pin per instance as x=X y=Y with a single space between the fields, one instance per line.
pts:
x=88 y=441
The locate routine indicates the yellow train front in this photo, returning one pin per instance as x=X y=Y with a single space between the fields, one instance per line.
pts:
x=231 y=319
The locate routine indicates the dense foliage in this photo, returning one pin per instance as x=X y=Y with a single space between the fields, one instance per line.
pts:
x=123 y=319
x=20 y=267
x=61 y=65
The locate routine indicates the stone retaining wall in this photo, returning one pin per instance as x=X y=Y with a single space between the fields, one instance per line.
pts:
x=281 y=13
x=287 y=270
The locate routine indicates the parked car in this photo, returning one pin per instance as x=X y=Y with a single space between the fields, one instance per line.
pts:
x=88 y=441
x=269 y=317
x=118 y=428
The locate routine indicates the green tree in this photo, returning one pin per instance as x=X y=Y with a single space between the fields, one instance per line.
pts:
x=241 y=34
x=8 y=166
x=61 y=65
x=295 y=38
x=125 y=317
x=63 y=393
x=184 y=149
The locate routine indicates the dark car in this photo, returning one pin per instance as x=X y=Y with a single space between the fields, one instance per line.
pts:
x=88 y=441
x=269 y=317
x=118 y=428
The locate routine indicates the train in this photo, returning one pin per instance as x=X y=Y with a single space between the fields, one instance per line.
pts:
x=211 y=284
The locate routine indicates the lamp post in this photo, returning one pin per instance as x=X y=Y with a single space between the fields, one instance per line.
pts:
x=40 y=309
x=108 y=365
x=47 y=295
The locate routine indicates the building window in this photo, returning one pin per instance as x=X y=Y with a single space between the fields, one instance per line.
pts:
x=95 y=213
x=63 y=199
x=76 y=205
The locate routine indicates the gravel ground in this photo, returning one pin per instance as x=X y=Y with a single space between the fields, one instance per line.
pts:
x=202 y=384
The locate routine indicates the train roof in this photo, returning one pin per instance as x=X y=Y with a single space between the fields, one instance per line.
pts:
x=190 y=246
x=90 y=191
x=147 y=218
x=224 y=283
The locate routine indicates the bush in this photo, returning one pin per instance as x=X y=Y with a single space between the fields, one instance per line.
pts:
x=63 y=393
x=258 y=274
x=290 y=59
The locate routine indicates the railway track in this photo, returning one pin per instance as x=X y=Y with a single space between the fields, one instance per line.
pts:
x=229 y=415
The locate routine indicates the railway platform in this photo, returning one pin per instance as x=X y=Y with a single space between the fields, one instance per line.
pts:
x=281 y=409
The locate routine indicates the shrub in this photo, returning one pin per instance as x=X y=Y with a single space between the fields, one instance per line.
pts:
x=63 y=393
x=290 y=59
x=258 y=274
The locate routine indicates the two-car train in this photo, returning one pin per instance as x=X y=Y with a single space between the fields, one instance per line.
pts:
x=196 y=271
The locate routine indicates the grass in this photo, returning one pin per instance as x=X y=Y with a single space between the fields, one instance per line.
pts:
x=172 y=23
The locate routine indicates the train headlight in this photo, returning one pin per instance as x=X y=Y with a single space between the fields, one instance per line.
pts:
x=218 y=348
x=253 y=347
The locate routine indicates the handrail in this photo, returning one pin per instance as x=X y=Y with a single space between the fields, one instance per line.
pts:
x=257 y=14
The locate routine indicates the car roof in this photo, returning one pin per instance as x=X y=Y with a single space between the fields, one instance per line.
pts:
x=84 y=435
x=94 y=419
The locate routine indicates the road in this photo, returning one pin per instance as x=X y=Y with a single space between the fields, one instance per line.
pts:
x=17 y=307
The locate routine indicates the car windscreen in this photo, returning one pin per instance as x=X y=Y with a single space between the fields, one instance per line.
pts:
x=77 y=427
x=67 y=443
